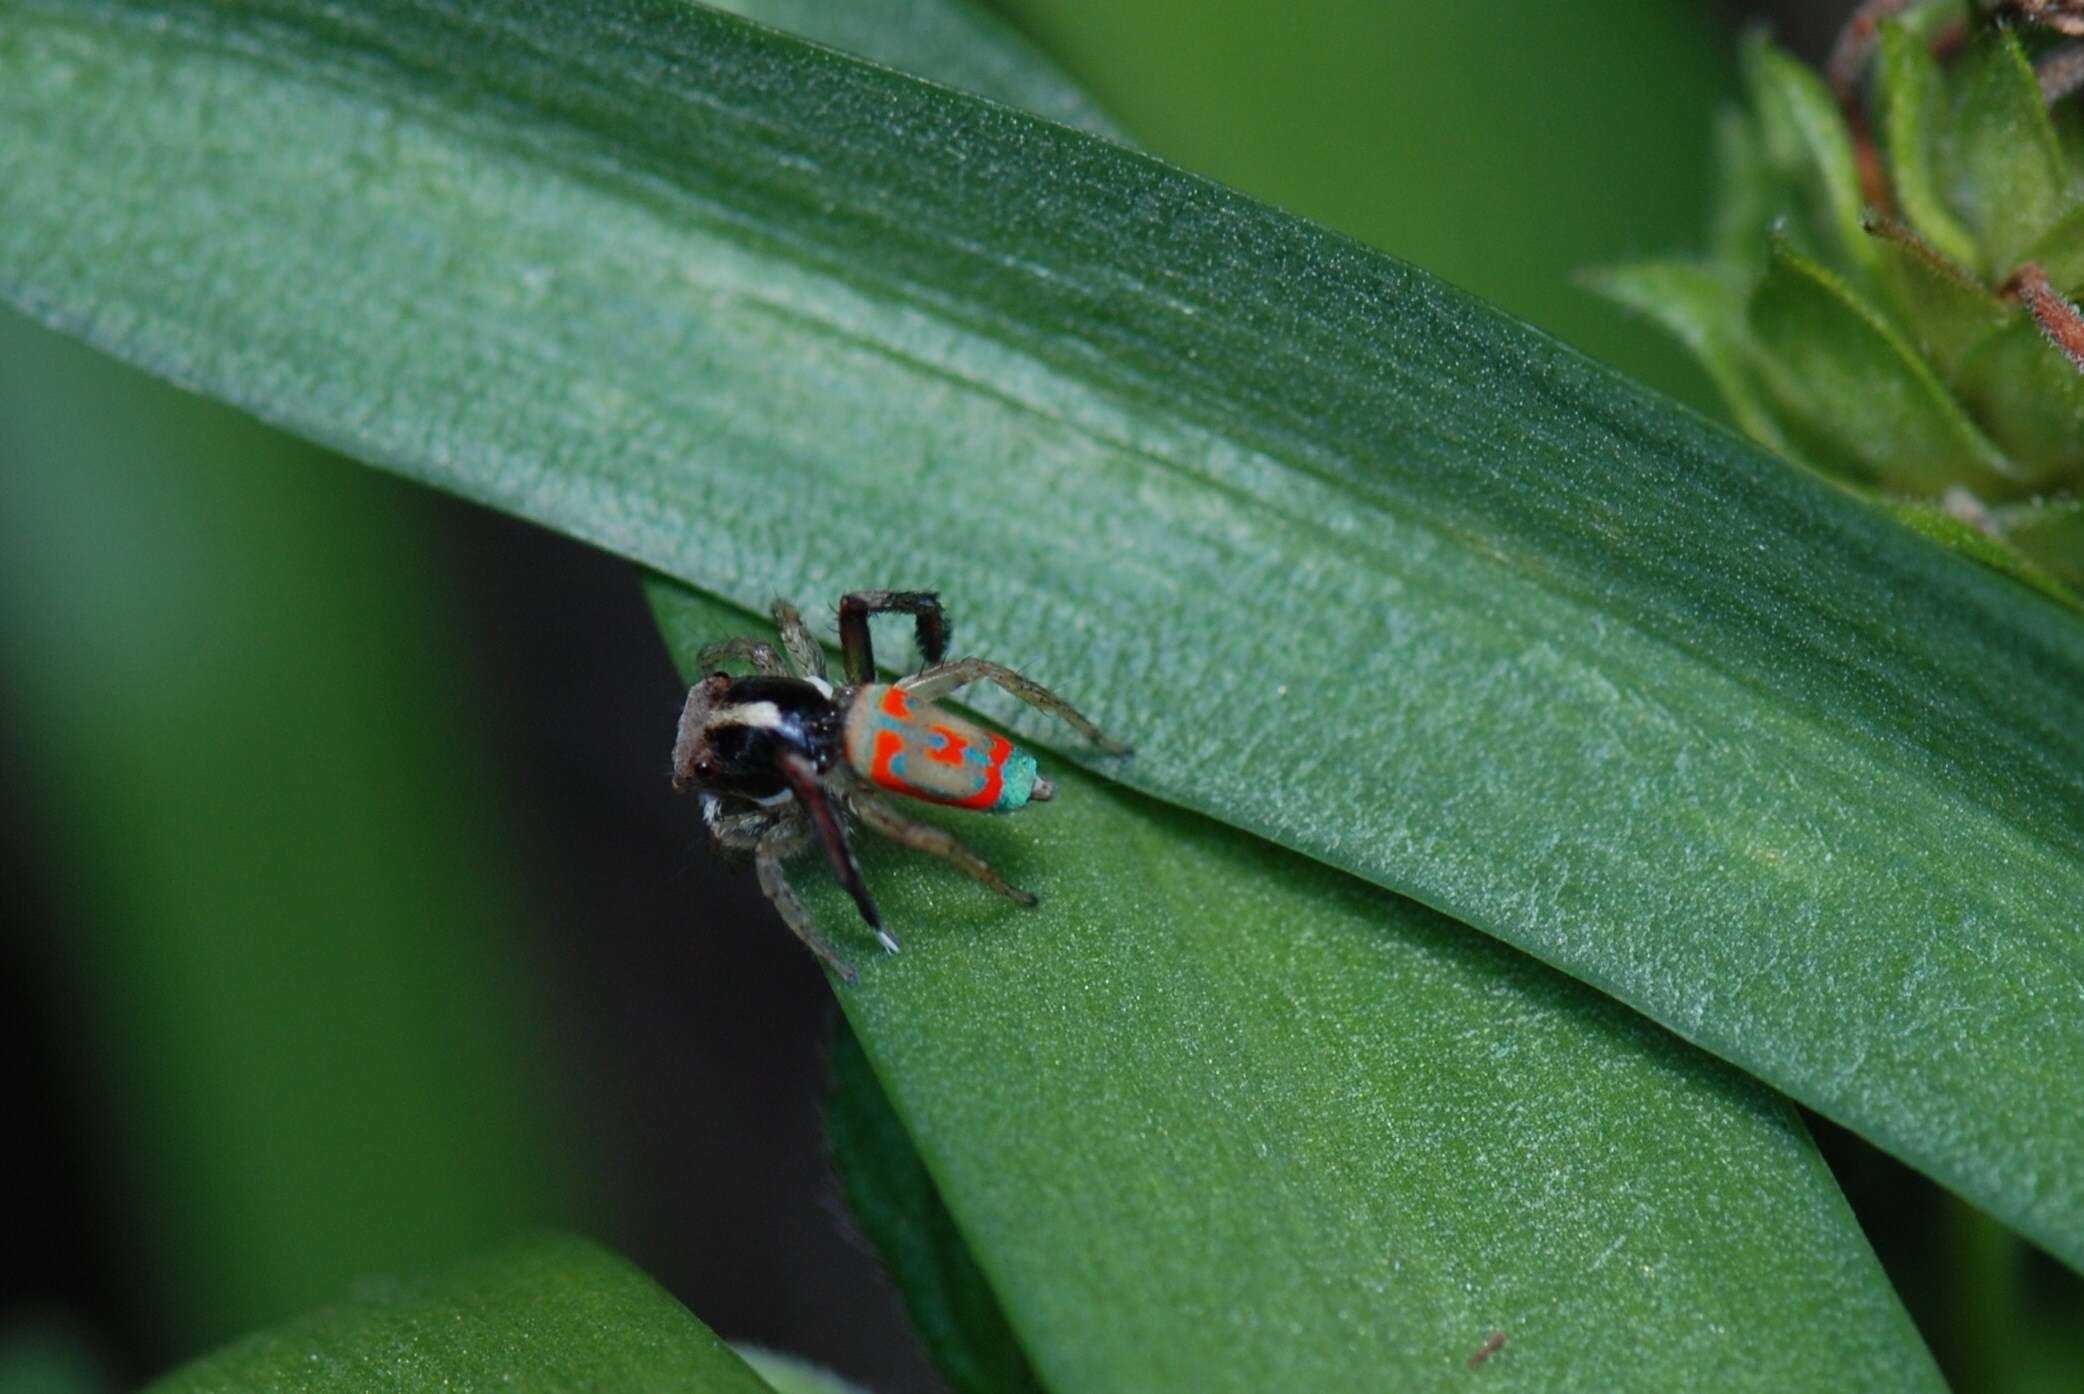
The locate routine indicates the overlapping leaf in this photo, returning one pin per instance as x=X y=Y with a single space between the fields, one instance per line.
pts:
x=544 y=1316
x=1215 y=1117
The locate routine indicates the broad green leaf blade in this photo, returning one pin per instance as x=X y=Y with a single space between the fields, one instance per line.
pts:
x=891 y=1196
x=1340 y=109
x=888 y=1189
x=1705 y=313
x=1947 y=528
x=787 y=1374
x=959 y=44
x=1214 y=1117
x=1853 y=393
x=1360 y=564
x=540 y=1317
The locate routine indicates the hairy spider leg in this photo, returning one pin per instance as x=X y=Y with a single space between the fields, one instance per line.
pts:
x=810 y=792
x=925 y=837
x=742 y=830
x=768 y=855
x=757 y=652
x=804 y=651
x=938 y=681
x=855 y=646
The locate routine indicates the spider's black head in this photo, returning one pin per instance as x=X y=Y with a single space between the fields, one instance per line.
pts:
x=735 y=731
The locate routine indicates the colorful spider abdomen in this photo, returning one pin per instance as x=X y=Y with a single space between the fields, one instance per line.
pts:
x=911 y=747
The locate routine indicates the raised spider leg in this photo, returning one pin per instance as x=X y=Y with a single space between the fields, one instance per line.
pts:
x=858 y=649
x=938 y=681
x=767 y=864
x=758 y=652
x=925 y=837
x=810 y=792
x=803 y=649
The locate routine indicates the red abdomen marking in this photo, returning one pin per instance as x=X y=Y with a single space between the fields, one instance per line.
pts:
x=916 y=749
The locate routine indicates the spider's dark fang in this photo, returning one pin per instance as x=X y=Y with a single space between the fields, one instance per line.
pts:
x=782 y=760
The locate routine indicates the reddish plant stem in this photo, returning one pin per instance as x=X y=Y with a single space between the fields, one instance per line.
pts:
x=1866 y=154
x=1895 y=230
x=1850 y=55
x=2058 y=319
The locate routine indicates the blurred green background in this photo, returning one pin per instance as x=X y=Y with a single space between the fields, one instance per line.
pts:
x=351 y=922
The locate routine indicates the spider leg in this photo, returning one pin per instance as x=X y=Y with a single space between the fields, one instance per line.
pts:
x=925 y=837
x=803 y=649
x=758 y=652
x=854 y=642
x=741 y=829
x=817 y=804
x=934 y=683
x=778 y=843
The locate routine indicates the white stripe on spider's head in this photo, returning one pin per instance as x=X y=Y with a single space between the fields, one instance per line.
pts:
x=761 y=716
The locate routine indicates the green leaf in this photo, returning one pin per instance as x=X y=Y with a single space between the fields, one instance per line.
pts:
x=1944 y=312
x=546 y=1315
x=1361 y=565
x=2051 y=532
x=1854 y=395
x=1944 y=526
x=2032 y=398
x=1706 y=313
x=954 y=43
x=2060 y=252
x=1915 y=110
x=2005 y=169
x=1805 y=137
x=1751 y=195
x=1214 y=1117
x=893 y=1199
x=789 y=1374
x=2012 y=1327
x=1329 y=108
